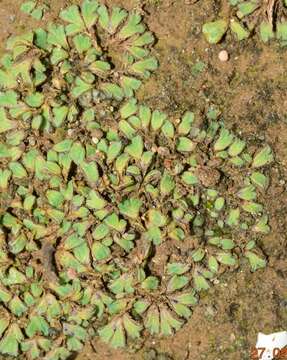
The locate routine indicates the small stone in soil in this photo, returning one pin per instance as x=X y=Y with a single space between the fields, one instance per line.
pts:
x=223 y=56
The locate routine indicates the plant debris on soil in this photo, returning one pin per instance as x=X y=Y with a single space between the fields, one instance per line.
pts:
x=267 y=18
x=135 y=203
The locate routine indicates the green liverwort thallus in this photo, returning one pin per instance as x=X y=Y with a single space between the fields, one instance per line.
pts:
x=95 y=186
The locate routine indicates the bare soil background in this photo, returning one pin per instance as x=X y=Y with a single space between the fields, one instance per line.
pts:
x=250 y=90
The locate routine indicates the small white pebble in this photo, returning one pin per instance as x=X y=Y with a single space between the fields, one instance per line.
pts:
x=223 y=56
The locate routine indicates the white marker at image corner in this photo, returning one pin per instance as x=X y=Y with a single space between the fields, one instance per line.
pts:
x=271 y=343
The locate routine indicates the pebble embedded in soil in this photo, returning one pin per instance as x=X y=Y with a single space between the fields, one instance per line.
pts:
x=223 y=56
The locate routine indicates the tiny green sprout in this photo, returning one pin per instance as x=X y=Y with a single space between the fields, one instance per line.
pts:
x=260 y=180
x=4 y=323
x=115 y=223
x=28 y=6
x=262 y=225
x=255 y=261
x=9 y=344
x=167 y=184
x=157 y=120
x=242 y=23
x=127 y=129
x=5 y=123
x=189 y=178
x=152 y=321
x=213 y=264
x=239 y=30
x=110 y=23
x=113 y=91
x=150 y=283
x=63 y=146
x=91 y=171
x=95 y=201
x=226 y=259
x=18 y=170
x=168 y=129
x=156 y=218
x=5 y=176
x=169 y=324
x=122 y=285
x=200 y=283
x=145 y=116
x=182 y=303
x=113 y=151
x=236 y=147
x=132 y=328
x=130 y=208
x=135 y=149
x=38 y=325
x=233 y=217
x=17 y=307
x=227 y=244
x=144 y=67
x=252 y=207
x=263 y=157
x=176 y=283
x=73 y=17
x=100 y=251
x=80 y=87
x=128 y=109
x=177 y=234
x=33 y=9
x=247 y=193
x=177 y=268
x=100 y=232
x=266 y=31
x=5 y=296
x=154 y=235
x=246 y=8
x=219 y=203
x=115 y=333
x=35 y=100
x=214 y=31
x=55 y=198
x=198 y=254
x=185 y=144
x=132 y=27
x=224 y=140
x=282 y=31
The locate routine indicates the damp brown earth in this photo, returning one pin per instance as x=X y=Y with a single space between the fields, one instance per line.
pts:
x=250 y=90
